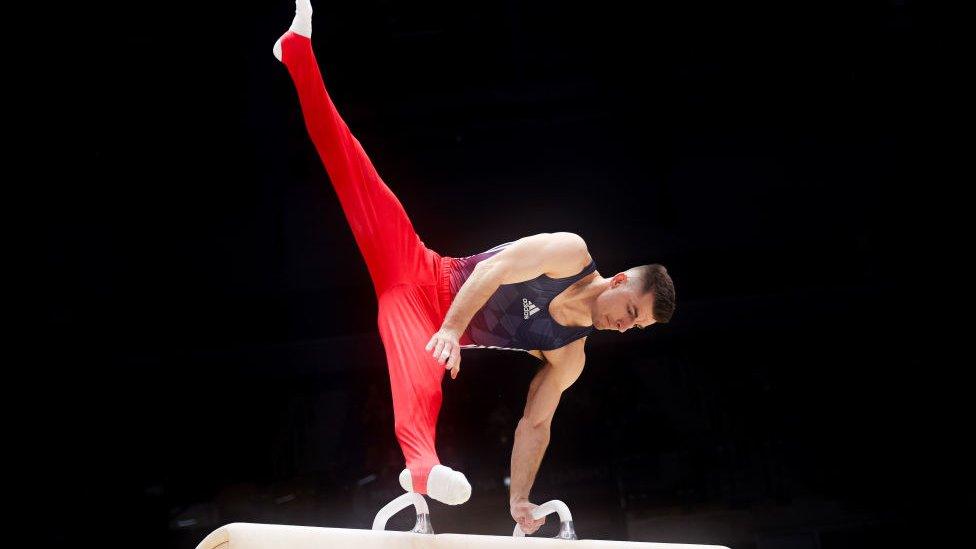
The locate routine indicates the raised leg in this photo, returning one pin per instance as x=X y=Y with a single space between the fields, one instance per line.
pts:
x=382 y=230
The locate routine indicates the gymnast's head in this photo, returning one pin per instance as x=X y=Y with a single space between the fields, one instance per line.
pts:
x=635 y=298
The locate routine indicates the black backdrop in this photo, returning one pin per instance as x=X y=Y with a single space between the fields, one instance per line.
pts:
x=210 y=352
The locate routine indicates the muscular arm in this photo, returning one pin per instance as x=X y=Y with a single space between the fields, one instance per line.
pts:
x=554 y=254
x=532 y=433
x=473 y=295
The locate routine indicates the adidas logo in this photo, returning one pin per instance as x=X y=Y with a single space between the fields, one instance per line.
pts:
x=528 y=308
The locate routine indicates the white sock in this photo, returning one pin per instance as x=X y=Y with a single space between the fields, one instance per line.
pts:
x=448 y=486
x=443 y=484
x=406 y=480
x=301 y=24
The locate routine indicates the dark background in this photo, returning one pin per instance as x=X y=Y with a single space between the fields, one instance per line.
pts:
x=210 y=350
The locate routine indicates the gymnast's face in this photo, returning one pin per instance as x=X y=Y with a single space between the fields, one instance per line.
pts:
x=620 y=307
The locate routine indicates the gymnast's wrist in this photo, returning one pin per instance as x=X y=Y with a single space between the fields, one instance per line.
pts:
x=447 y=328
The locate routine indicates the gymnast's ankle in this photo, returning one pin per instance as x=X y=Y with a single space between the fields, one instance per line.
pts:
x=301 y=24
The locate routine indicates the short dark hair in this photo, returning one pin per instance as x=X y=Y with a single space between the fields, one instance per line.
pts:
x=654 y=278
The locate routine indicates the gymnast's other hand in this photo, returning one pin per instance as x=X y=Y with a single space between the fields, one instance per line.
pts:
x=522 y=513
x=446 y=349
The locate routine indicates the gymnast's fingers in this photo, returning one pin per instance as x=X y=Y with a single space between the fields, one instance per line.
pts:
x=446 y=352
x=438 y=350
x=456 y=368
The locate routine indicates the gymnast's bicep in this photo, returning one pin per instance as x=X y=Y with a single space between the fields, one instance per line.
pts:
x=553 y=254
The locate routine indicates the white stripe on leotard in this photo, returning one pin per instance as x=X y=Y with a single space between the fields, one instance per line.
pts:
x=492 y=347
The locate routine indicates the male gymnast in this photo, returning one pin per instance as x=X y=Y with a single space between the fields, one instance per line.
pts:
x=540 y=294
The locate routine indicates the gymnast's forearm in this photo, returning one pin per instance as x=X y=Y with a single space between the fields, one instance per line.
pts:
x=530 y=445
x=473 y=295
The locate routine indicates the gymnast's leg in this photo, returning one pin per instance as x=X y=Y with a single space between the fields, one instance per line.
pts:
x=406 y=320
x=404 y=271
x=383 y=231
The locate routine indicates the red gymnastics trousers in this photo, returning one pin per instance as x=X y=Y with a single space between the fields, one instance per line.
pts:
x=412 y=282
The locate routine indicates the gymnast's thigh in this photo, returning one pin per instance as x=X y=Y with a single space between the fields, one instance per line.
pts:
x=408 y=316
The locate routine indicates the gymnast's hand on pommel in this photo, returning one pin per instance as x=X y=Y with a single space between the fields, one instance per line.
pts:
x=522 y=513
x=446 y=349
